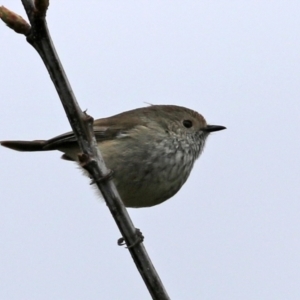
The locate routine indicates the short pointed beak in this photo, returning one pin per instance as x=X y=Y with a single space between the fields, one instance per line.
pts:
x=212 y=128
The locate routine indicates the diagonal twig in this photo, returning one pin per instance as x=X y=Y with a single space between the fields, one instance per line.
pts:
x=91 y=159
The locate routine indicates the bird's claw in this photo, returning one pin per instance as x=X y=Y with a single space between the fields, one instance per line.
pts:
x=106 y=177
x=139 y=239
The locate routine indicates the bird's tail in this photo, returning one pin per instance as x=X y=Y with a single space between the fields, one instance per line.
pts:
x=25 y=145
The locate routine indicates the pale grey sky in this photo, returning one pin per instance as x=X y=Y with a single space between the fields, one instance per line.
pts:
x=233 y=231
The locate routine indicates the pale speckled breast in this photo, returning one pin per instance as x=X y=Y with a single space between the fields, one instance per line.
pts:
x=150 y=174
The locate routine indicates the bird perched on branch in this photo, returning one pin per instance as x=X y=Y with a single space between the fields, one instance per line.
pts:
x=151 y=150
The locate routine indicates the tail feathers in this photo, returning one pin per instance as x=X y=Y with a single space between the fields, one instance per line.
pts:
x=25 y=145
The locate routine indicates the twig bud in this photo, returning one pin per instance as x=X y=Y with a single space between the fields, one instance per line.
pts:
x=41 y=6
x=14 y=21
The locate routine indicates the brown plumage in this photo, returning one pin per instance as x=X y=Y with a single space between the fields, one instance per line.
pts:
x=151 y=150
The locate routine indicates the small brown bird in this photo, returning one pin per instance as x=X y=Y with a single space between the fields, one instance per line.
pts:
x=151 y=150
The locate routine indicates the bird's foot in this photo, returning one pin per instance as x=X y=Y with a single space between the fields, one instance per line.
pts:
x=139 y=239
x=106 y=177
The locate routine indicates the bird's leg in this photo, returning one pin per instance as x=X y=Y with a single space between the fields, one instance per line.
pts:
x=106 y=177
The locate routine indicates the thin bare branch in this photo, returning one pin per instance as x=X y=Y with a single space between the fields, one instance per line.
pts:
x=91 y=159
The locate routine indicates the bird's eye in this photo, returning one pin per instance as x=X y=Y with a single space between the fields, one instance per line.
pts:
x=187 y=123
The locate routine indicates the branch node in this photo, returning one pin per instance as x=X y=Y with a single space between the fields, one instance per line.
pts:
x=41 y=7
x=87 y=118
x=84 y=159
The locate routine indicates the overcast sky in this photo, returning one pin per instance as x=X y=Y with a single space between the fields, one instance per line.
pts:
x=233 y=230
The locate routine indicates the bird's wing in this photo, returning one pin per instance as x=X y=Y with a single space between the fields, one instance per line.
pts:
x=69 y=138
x=104 y=129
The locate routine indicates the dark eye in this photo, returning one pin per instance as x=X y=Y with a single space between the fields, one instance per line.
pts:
x=187 y=123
